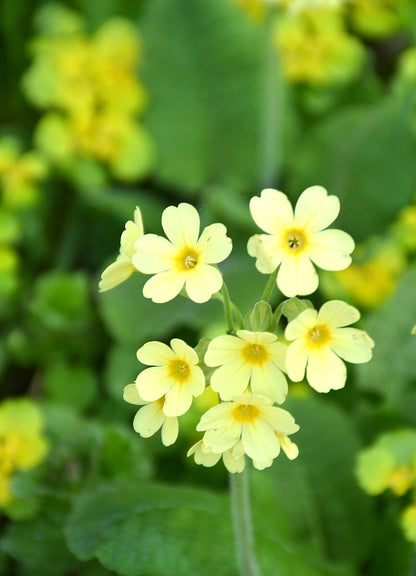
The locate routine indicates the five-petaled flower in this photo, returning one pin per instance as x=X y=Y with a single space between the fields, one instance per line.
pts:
x=150 y=418
x=123 y=267
x=249 y=424
x=183 y=259
x=250 y=358
x=296 y=241
x=320 y=340
x=174 y=375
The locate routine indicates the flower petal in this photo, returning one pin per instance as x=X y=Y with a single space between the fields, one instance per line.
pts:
x=164 y=286
x=315 y=210
x=272 y=211
x=128 y=239
x=297 y=276
x=231 y=379
x=153 y=254
x=148 y=420
x=155 y=353
x=214 y=245
x=352 y=345
x=331 y=249
x=131 y=395
x=296 y=360
x=178 y=400
x=268 y=380
x=268 y=251
x=325 y=371
x=181 y=224
x=202 y=282
x=184 y=351
x=337 y=314
x=223 y=349
x=115 y=274
x=153 y=383
x=260 y=441
x=170 y=430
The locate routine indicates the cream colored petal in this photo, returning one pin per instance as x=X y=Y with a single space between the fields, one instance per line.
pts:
x=223 y=349
x=181 y=224
x=262 y=464
x=267 y=250
x=331 y=249
x=336 y=314
x=259 y=441
x=148 y=420
x=164 y=287
x=297 y=276
x=222 y=439
x=325 y=370
x=214 y=245
x=277 y=354
x=155 y=353
x=128 y=238
x=115 y=274
x=153 y=383
x=268 y=380
x=202 y=456
x=178 y=400
x=289 y=448
x=231 y=379
x=272 y=211
x=153 y=254
x=315 y=210
x=280 y=420
x=264 y=338
x=298 y=327
x=183 y=351
x=234 y=464
x=131 y=395
x=202 y=282
x=138 y=220
x=296 y=360
x=170 y=430
x=352 y=345
x=217 y=416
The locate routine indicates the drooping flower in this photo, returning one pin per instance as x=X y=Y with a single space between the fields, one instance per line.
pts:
x=183 y=259
x=150 y=418
x=250 y=358
x=248 y=424
x=174 y=375
x=123 y=267
x=296 y=241
x=320 y=343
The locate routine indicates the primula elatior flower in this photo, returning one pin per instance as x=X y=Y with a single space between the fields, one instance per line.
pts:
x=182 y=259
x=254 y=358
x=122 y=268
x=150 y=418
x=320 y=342
x=296 y=241
x=174 y=375
x=22 y=444
x=249 y=424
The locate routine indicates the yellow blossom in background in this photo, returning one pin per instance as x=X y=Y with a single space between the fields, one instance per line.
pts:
x=174 y=375
x=185 y=259
x=20 y=174
x=297 y=240
x=123 y=267
x=320 y=341
x=22 y=443
x=249 y=358
x=316 y=49
x=151 y=418
x=408 y=522
x=249 y=424
x=379 y=18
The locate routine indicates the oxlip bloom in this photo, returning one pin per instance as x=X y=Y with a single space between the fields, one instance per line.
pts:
x=183 y=259
x=295 y=241
x=123 y=267
x=320 y=341
x=248 y=424
x=249 y=358
x=233 y=458
x=174 y=375
x=150 y=418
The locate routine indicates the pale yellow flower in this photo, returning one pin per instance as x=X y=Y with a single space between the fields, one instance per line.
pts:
x=174 y=375
x=123 y=267
x=182 y=259
x=321 y=341
x=296 y=241
x=150 y=418
x=233 y=459
x=250 y=358
x=262 y=430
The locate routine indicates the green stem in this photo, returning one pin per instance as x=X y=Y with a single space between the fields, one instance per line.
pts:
x=236 y=312
x=243 y=527
x=227 y=308
x=267 y=294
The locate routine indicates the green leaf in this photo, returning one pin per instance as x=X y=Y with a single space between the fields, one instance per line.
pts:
x=71 y=384
x=202 y=72
x=369 y=163
x=121 y=369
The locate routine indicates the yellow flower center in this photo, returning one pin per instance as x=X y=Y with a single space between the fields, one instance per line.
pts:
x=255 y=353
x=294 y=241
x=187 y=259
x=245 y=413
x=179 y=370
x=318 y=336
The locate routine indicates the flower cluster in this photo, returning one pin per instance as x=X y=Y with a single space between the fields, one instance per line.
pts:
x=390 y=464
x=73 y=76
x=248 y=367
x=22 y=444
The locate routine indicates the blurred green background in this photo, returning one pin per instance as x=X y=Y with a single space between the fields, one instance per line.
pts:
x=113 y=104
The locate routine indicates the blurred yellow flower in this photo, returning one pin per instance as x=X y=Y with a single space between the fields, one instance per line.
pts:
x=185 y=259
x=174 y=375
x=408 y=522
x=379 y=18
x=316 y=49
x=22 y=444
x=320 y=341
x=123 y=267
x=254 y=359
x=296 y=241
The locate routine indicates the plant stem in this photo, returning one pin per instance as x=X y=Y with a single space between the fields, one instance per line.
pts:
x=243 y=527
x=227 y=308
x=267 y=294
